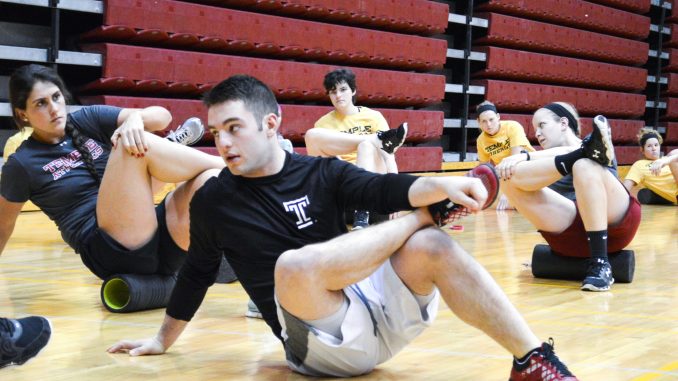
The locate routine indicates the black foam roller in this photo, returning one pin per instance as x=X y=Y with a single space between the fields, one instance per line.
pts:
x=134 y=292
x=226 y=273
x=547 y=264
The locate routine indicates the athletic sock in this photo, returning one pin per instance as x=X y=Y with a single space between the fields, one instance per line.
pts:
x=521 y=361
x=565 y=162
x=598 y=243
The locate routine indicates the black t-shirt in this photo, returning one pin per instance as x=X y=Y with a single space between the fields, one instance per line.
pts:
x=254 y=220
x=54 y=177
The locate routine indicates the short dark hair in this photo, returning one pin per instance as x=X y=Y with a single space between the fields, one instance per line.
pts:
x=335 y=77
x=257 y=97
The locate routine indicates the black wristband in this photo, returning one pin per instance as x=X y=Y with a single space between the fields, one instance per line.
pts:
x=526 y=153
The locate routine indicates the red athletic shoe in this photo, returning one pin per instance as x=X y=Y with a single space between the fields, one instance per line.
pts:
x=445 y=211
x=541 y=365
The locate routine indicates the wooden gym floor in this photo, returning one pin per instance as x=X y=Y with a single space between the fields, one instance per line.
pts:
x=630 y=333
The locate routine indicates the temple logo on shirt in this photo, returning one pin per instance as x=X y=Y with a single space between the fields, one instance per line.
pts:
x=498 y=147
x=360 y=130
x=64 y=164
x=298 y=206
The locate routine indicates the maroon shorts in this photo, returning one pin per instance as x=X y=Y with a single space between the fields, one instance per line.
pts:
x=573 y=241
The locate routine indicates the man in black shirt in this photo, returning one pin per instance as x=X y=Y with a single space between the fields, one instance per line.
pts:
x=342 y=302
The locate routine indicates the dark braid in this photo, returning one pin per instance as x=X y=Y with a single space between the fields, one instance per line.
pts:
x=79 y=141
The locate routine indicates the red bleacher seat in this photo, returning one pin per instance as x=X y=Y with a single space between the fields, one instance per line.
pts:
x=671 y=136
x=636 y=6
x=575 y=13
x=627 y=155
x=502 y=63
x=671 y=109
x=411 y=16
x=526 y=97
x=409 y=159
x=423 y=125
x=186 y=25
x=288 y=80
x=537 y=36
x=672 y=65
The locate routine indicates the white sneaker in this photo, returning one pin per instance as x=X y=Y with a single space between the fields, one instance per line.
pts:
x=189 y=133
x=253 y=311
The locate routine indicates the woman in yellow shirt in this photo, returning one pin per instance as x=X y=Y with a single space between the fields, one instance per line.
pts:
x=657 y=176
x=499 y=139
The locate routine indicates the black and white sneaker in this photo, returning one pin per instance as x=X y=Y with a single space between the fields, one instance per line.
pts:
x=391 y=140
x=598 y=276
x=361 y=219
x=253 y=311
x=22 y=339
x=598 y=145
x=189 y=133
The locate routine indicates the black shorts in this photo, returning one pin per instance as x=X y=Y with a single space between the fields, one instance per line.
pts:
x=104 y=256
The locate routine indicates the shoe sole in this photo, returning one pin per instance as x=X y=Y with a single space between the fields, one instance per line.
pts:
x=253 y=315
x=406 y=128
x=606 y=137
x=590 y=287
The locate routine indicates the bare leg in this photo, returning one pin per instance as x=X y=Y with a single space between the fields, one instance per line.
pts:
x=431 y=258
x=543 y=207
x=674 y=166
x=370 y=159
x=309 y=281
x=125 y=207
x=602 y=199
x=328 y=143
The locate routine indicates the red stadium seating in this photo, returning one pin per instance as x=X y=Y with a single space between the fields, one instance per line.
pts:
x=537 y=36
x=409 y=159
x=672 y=65
x=671 y=109
x=627 y=155
x=184 y=25
x=410 y=16
x=636 y=6
x=526 y=97
x=423 y=125
x=189 y=73
x=575 y=13
x=519 y=65
x=672 y=40
x=671 y=136
x=623 y=130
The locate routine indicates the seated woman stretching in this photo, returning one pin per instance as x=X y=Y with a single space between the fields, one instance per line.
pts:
x=90 y=171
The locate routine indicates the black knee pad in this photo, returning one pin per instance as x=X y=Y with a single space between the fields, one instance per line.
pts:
x=550 y=265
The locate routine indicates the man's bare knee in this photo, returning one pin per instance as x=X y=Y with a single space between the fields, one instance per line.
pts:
x=294 y=268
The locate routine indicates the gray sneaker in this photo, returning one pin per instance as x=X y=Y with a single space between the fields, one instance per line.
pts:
x=253 y=311
x=189 y=133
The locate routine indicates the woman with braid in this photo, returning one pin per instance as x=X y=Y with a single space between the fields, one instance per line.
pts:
x=90 y=171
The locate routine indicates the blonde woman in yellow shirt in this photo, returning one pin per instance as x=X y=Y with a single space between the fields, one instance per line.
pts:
x=656 y=176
